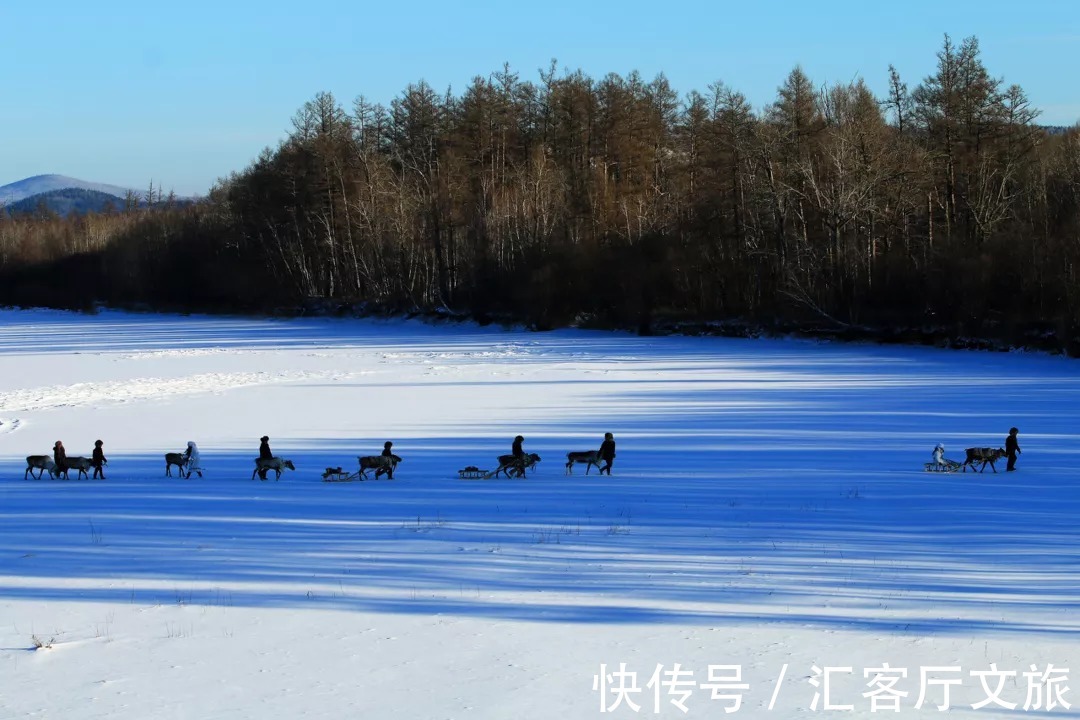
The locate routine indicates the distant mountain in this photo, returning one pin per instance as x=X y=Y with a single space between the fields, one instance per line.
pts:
x=79 y=202
x=65 y=202
x=22 y=189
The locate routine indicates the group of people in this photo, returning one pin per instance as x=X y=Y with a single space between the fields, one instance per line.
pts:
x=193 y=462
x=97 y=459
x=605 y=453
x=1012 y=449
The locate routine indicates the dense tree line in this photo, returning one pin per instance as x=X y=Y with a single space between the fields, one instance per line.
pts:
x=618 y=202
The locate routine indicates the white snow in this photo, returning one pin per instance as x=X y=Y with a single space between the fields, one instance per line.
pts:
x=768 y=508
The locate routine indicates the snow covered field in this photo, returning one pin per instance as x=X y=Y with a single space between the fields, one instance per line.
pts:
x=768 y=510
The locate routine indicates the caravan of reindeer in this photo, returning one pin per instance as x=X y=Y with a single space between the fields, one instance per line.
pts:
x=188 y=462
x=509 y=466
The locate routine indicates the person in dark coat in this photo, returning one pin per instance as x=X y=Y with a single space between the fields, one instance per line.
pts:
x=264 y=454
x=59 y=456
x=387 y=451
x=97 y=460
x=607 y=452
x=1012 y=449
x=518 y=453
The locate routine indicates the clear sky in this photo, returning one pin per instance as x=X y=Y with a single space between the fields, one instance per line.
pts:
x=183 y=93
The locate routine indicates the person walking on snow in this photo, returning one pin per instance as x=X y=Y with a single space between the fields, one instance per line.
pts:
x=1012 y=449
x=97 y=460
x=59 y=456
x=607 y=452
x=387 y=453
x=264 y=454
x=192 y=461
x=519 y=455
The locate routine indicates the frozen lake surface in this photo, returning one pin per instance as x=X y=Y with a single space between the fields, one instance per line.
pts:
x=768 y=510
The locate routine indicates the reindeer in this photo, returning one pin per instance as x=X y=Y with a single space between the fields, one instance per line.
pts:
x=508 y=463
x=77 y=463
x=176 y=459
x=41 y=463
x=381 y=464
x=589 y=457
x=983 y=455
x=278 y=465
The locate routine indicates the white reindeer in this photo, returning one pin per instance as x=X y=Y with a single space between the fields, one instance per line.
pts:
x=278 y=465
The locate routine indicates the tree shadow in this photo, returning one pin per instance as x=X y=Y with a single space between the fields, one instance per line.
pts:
x=771 y=482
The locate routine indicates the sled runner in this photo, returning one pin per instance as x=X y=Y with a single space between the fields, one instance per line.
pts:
x=948 y=466
x=336 y=474
x=473 y=473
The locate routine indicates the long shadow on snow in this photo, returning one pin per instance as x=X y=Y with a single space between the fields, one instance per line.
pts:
x=781 y=493
x=38 y=331
x=428 y=542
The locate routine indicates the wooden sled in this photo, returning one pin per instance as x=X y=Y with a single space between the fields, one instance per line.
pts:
x=948 y=467
x=336 y=474
x=473 y=473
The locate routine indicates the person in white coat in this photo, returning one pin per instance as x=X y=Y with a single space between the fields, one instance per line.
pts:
x=939 y=455
x=191 y=459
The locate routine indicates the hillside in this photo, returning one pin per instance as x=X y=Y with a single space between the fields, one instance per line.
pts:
x=65 y=202
x=39 y=184
x=76 y=201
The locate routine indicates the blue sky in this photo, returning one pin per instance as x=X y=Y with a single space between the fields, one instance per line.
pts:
x=182 y=94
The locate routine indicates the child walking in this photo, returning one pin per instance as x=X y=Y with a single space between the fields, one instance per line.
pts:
x=97 y=460
x=607 y=453
x=1012 y=448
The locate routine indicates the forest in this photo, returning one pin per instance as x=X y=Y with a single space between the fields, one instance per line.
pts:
x=941 y=213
